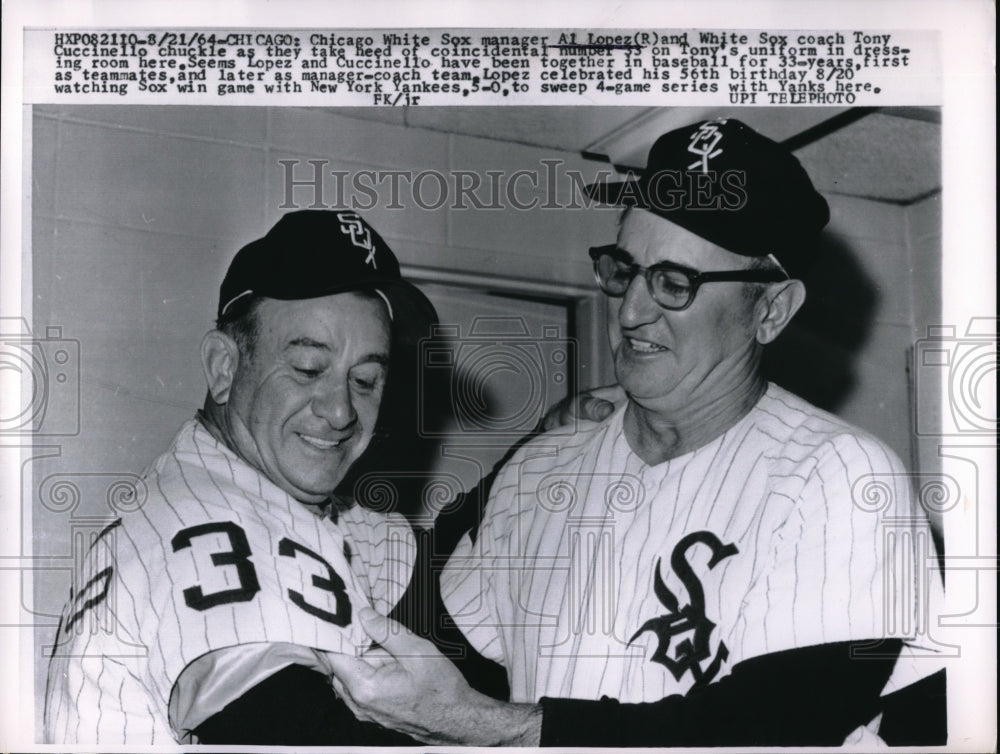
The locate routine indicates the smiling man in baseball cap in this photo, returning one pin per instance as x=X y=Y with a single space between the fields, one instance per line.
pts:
x=244 y=567
x=311 y=267
x=696 y=569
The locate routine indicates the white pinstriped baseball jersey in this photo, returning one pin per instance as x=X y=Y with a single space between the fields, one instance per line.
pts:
x=217 y=581
x=594 y=574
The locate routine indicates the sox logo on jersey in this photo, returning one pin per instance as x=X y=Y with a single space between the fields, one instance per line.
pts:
x=690 y=652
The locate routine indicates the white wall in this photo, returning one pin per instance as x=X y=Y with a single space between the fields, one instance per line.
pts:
x=923 y=227
x=876 y=234
x=924 y=231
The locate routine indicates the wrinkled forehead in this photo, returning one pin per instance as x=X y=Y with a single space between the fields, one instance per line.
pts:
x=649 y=238
x=355 y=319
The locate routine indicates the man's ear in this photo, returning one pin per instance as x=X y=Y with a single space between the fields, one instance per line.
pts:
x=780 y=301
x=220 y=356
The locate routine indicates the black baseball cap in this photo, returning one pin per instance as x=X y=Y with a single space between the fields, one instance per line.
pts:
x=314 y=253
x=732 y=186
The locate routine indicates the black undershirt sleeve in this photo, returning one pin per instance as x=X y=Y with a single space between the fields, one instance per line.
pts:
x=811 y=696
x=294 y=707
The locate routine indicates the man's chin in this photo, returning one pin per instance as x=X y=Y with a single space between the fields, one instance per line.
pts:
x=638 y=382
x=314 y=491
x=645 y=392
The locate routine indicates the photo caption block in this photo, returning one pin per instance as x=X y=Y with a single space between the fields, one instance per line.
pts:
x=845 y=67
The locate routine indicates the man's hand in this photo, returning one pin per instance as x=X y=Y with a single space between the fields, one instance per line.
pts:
x=407 y=685
x=594 y=405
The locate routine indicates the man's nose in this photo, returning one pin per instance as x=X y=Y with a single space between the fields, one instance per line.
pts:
x=638 y=307
x=332 y=401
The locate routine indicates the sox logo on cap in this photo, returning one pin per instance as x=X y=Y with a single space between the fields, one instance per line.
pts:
x=704 y=142
x=351 y=224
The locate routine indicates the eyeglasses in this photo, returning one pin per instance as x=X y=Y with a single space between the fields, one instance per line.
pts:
x=670 y=285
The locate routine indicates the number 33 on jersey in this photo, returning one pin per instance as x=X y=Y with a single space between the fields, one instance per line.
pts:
x=240 y=582
x=218 y=587
x=231 y=585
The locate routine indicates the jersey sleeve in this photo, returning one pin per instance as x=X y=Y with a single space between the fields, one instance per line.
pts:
x=95 y=693
x=841 y=567
x=101 y=701
x=178 y=592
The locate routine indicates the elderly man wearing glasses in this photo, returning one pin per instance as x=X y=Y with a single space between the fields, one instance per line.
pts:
x=695 y=569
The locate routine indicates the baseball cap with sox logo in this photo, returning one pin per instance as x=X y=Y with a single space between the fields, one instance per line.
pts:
x=725 y=182
x=314 y=253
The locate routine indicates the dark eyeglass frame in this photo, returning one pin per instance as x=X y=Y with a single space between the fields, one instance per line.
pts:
x=695 y=277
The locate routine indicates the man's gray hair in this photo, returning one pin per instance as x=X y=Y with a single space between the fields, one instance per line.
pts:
x=244 y=327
